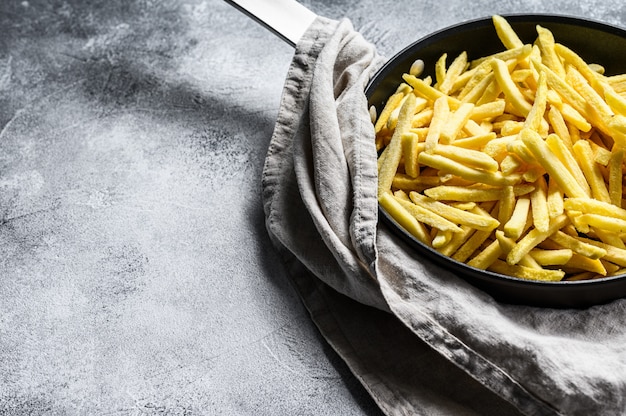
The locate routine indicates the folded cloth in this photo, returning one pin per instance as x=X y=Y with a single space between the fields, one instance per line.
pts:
x=319 y=196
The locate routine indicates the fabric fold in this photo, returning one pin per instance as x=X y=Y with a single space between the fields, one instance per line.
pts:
x=319 y=195
x=317 y=216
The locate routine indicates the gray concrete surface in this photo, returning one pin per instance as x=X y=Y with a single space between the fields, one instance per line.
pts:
x=136 y=276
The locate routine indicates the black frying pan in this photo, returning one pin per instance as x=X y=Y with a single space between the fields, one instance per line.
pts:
x=594 y=41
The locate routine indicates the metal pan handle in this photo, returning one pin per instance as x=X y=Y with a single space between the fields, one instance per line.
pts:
x=287 y=19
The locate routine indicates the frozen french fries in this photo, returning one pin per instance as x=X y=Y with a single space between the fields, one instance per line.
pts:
x=511 y=162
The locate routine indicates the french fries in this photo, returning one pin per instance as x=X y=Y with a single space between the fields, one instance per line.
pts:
x=512 y=162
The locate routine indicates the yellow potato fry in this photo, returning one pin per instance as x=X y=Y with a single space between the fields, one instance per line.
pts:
x=465 y=206
x=453 y=126
x=551 y=164
x=452 y=180
x=498 y=147
x=455 y=69
x=617 y=126
x=428 y=217
x=471 y=245
x=506 y=205
x=598 y=111
x=410 y=151
x=421 y=133
x=575 y=119
x=488 y=110
x=570 y=229
x=560 y=128
x=463 y=193
x=477 y=80
x=606 y=236
x=535 y=118
x=521 y=75
x=509 y=127
x=605 y=223
x=474 y=129
x=568 y=94
x=581 y=276
x=554 y=99
x=584 y=156
x=491 y=93
x=515 y=226
x=468 y=157
x=577 y=245
x=565 y=155
x=447 y=165
x=392 y=103
x=505 y=33
x=510 y=164
x=440 y=70
x=393 y=152
x=488 y=210
x=420 y=104
x=486 y=257
x=611 y=269
x=613 y=254
x=475 y=91
x=617 y=82
x=555 y=199
x=457 y=240
x=475 y=142
x=533 y=172
x=534 y=237
x=407 y=183
x=513 y=94
x=579 y=262
x=519 y=149
x=507 y=244
x=401 y=194
x=614 y=100
x=539 y=205
x=579 y=226
x=616 y=177
x=393 y=117
x=422 y=118
x=462 y=240
x=461 y=83
x=551 y=257
x=485 y=125
x=545 y=41
x=422 y=88
x=601 y=155
x=520 y=53
x=528 y=273
x=441 y=111
x=455 y=215
x=403 y=217
x=572 y=58
x=441 y=238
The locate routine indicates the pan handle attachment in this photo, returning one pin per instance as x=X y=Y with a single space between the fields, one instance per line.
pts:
x=287 y=19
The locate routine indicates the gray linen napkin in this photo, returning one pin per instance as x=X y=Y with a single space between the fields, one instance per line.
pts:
x=319 y=194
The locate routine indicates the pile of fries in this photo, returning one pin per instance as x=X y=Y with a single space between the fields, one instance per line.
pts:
x=512 y=163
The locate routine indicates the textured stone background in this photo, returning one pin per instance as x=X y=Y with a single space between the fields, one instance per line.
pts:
x=135 y=273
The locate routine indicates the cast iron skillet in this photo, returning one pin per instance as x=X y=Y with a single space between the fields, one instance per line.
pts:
x=594 y=41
